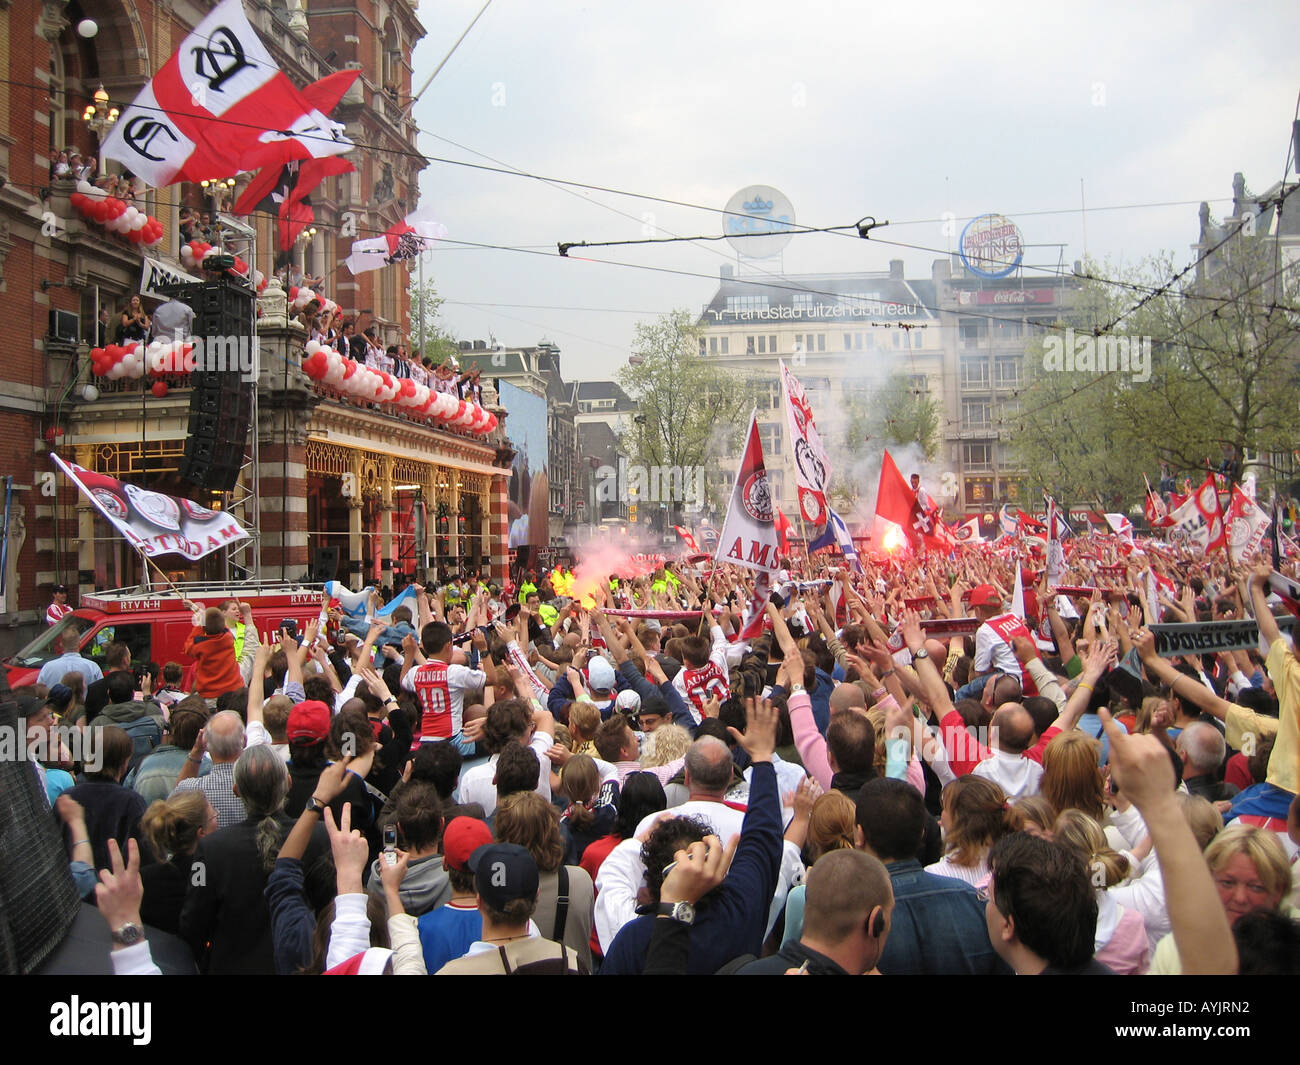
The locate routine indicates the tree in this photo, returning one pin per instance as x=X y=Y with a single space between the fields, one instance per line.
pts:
x=872 y=419
x=1212 y=372
x=684 y=400
x=439 y=342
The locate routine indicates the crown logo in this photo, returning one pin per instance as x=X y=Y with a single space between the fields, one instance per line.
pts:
x=758 y=206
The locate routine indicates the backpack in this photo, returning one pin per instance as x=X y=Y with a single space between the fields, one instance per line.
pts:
x=545 y=967
x=146 y=734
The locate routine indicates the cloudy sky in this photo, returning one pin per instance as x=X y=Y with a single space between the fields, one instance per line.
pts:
x=905 y=112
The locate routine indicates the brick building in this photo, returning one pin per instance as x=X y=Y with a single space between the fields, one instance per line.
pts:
x=323 y=471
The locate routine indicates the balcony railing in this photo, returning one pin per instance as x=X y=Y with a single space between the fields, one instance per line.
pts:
x=123 y=387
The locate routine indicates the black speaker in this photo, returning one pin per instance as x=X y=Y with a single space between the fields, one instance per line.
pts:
x=325 y=565
x=221 y=403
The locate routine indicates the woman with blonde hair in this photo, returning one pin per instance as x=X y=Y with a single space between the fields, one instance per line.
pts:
x=1250 y=871
x=976 y=814
x=1121 y=938
x=584 y=720
x=832 y=826
x=1037 y=814
x=566 y=896
x=1072 y=777
x=173 y=828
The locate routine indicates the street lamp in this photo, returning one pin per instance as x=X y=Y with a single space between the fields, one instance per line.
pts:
x=98 y=116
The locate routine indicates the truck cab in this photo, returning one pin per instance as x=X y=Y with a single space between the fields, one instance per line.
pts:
x=155 y=625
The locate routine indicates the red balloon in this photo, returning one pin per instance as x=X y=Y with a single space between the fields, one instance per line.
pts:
x=349 y=368
x=293 y=292
x=316 y=365
x=159 y=389
x=135 y=236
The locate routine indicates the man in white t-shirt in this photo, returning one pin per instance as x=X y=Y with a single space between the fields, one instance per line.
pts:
x=439 y=684
x=993 y=649
x=511 y=720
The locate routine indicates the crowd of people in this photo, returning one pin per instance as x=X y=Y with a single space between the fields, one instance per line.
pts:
x=613 y=781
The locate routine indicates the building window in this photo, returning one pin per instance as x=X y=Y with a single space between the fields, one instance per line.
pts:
x=722 y=346
x=717 y=345
x=749 y=345
x=975 y=413
x=803 y=301
x=977 y=456
x=737 y=304
x=821 y=341
x=703 y=347
x=974 y=373
x=919 y=382
x=1007 y=373
x=1004 y=329
x=770 y=435
x=771 y=344
x=971 y=333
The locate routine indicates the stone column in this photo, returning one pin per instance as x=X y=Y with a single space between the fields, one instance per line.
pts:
x=286 y=400
x=355 y=576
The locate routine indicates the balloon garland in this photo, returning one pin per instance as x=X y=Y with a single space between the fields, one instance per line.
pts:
x=377 y=386
x=117 y=216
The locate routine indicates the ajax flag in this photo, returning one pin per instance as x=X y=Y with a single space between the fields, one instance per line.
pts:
x=749 y=536
x=155 y=524
x=812 y=469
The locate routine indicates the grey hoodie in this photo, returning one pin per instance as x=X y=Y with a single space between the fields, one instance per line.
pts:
x=424 y=887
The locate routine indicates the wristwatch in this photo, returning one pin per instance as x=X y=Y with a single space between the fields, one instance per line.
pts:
x=315 y=806
x=678 y=911
x=128 y=935
x=922 y=653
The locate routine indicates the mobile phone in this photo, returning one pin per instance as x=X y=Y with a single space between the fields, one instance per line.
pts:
x=390 y=844
x=290 y=626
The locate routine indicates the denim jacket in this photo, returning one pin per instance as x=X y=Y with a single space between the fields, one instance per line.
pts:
x=938 y=927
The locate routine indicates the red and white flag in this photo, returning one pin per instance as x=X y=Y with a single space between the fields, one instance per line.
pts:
x=921 y=522
x=687 y=539
x=402 y=242
x=749 y=536
x=966 y=532
x=155 y=524
x=1199 y=519
x=812 y=469
x=1247 y=524
x=1121 y=526
x=782 y=531
x=219 y=106
x=1157 y=513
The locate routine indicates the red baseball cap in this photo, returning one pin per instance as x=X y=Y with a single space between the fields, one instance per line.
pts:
x=461 y=838
x=985 y=595
x=309 y=722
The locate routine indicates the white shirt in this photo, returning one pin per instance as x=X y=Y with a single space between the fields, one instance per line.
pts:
x=623 y=873
x=477 y=784
x=992 y=651
x=1017 y=775
x=460 y=679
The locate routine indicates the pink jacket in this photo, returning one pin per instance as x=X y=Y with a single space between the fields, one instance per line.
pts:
x=812 y=745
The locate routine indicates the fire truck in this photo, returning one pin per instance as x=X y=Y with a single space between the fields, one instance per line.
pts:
x=155 y=625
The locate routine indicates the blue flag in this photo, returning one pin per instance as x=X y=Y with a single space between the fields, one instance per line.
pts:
x=837 y=534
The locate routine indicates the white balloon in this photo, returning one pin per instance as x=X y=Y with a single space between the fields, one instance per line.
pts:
x=90 y=393
x=312 y=346
x=116 y=372
x=140 y=221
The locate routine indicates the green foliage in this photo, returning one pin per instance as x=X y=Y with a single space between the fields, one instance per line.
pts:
x=683 y=400
x=439 y=342
x=1223 y=374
